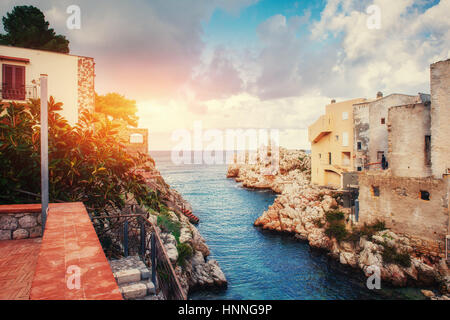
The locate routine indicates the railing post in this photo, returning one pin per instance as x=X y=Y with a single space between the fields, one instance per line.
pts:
x=153 y=254
x=44 y=150
x=143 y=236
x=125 y=238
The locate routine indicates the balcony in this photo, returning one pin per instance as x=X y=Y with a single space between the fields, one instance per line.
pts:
x=33 y=267
x=22 y=94
x=320 y=128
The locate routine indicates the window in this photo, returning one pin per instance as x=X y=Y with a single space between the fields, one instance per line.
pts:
x=136 y=138
x=380 y=155
x=13 y=82
x=383 y=120
x=375 y=191
x=359 y=145
x=345 y=139
x=346 y=159
x=359 y=169
x=344 y=115
x=424 y=195
x=320 y=156
x=428 y=150
x=337 y=137
x=329 y=157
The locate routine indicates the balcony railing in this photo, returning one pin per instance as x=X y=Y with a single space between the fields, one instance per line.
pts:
x=133 y=234
x=24 y=93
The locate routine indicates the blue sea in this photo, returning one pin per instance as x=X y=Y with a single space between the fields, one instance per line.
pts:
x=259 y=264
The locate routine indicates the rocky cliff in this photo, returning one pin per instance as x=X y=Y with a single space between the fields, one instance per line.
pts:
x=314 y=214
x=194 y=269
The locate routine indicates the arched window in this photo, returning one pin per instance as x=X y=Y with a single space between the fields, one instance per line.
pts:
x=136 y=138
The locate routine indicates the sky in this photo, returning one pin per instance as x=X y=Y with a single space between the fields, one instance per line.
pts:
x=252 y=64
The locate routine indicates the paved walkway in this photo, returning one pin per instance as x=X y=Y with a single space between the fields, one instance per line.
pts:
x=17 y=265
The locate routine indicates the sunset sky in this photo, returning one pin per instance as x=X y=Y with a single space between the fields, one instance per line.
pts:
x=248 y=63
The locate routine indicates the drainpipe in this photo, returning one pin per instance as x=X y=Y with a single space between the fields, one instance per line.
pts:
x=44 y=150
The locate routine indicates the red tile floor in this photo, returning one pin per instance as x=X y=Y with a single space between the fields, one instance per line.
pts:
x=18 y=260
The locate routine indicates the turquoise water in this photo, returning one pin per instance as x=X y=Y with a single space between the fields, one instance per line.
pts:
x=258 y=264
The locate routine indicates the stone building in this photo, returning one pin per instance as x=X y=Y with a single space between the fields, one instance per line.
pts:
x=136 y=139
x=70 y=78
x=370 y=128
x=413 y=195
x=331 y=138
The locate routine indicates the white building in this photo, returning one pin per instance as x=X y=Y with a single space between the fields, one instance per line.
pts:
x=70 y=78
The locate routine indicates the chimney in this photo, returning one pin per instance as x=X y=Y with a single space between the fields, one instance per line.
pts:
x=379 y=94
x=333 y=101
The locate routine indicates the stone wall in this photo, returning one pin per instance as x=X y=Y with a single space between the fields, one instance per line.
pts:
x=370 y=126
x=20 y=224
x=407 y=126
x=133 y=148
x=86 y=89
x=440 y=116
x=400 y=206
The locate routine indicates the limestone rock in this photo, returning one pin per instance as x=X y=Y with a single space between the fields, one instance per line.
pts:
x=8 y=223
x=20 y=234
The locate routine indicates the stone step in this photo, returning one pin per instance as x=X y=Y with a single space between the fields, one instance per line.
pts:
x=138 y=290
x=131 y=275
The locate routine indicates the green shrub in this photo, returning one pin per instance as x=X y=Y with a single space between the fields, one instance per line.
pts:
x=168 y=225
x=318 y=222
x=335 y=215
x=184 y=252
x=390 y=255
x=367 y=230
x=337 y=230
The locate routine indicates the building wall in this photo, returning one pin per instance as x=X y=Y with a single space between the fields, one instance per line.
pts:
x=135 y=147
x=63 y=72
x=339 y=129
x=408 y=125
x=369 y=129
x=400 y=206
x=440 y=117
x=86 y=88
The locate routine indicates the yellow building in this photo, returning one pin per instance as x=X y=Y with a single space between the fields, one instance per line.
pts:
x=331 y=138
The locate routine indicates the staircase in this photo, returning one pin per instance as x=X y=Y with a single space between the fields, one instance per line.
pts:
x=134 y=279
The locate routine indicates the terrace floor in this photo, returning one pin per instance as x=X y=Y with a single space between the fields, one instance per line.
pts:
x=18 y=260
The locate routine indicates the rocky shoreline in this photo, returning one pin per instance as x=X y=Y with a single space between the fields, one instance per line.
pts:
x=196 y=271
x=315 y=215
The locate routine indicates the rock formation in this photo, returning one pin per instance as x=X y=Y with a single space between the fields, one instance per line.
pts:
x=301 y=209
x=197 y=271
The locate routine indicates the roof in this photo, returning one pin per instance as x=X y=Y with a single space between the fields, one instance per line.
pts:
x=47 y=51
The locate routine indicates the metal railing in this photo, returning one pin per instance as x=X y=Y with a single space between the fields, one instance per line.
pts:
x=134 y=234
x=24 y=93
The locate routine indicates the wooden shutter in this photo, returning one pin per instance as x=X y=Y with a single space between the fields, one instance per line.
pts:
x=13 y=82
x=7 y=81
x=19 y=82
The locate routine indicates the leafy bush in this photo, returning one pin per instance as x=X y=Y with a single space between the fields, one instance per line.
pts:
x=184 y=252
x=168 y=225
x=337 y=230
x=332 y=216
x=318 y=223
x=87 y=162
x=390 y=255
x=367 y=230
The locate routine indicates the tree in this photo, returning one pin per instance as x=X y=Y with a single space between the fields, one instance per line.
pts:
x=87 y=165
x=118 y=107
x=26 y=27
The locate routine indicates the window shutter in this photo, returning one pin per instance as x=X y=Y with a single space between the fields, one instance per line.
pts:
x=19 y=84
x=7 y=81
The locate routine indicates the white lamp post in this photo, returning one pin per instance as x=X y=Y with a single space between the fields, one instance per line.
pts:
x=44 y=149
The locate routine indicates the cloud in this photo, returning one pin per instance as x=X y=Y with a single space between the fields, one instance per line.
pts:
x=218 y=78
